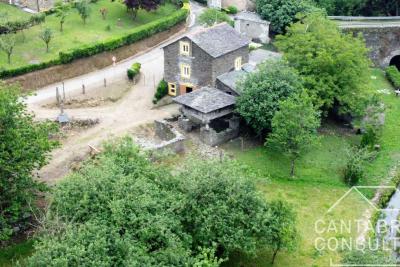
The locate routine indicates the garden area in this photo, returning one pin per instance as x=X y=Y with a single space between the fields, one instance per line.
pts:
x=319 y=183
x=99 y=26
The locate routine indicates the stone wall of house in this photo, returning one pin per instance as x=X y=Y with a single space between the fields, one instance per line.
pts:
x=224 y=88
x=226 y=63
x=199 y=61
x=258 y=32
x=383 y=43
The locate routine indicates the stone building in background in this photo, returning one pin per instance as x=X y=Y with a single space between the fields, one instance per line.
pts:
x=252 y=26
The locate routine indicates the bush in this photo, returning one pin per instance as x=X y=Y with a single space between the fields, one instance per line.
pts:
x=212 y=16
x=14 y=26
x=393 y=76
x=134 y=70
x=355 y=167
x=204 y=2
x=231 y=10
x=139 y=33
x=162 y=90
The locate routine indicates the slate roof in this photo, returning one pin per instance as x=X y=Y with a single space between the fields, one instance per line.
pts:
x=250 y=16
x=230 y=78
x=218 y=40
x=206 y=99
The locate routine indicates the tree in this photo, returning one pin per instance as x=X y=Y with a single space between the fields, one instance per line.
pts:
x=334 y=65
x=262 y=90
x=281 y=13
x=294 y=127
x=7 y=44
x=46 y=35
x=24 y=147
x=223 y=207
x=134 y=5
x=282 y=227
x=341 y=7
x=62 y=11
x=121 y=210
x=83 y=8
x=212 y=16
x=103 y=11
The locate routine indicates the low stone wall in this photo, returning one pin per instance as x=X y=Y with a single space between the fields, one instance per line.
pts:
x=213 y=138
x=173 y=140
x=41 y=78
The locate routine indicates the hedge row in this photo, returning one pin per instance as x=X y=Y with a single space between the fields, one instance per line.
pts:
x=137 y=34
x=393 y=76
x=14 y=26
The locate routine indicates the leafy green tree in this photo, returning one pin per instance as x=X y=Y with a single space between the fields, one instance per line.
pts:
x=223 y=207
x=7 y=44
x=83 y=8
x=281 y=13
x=135 y=5
x=24 y=147
x=294 y=127
x=120 y=210
x=62 y=11
x=341 y=7
x=46 y=35
x=282 y=227
x=262 y=90
x=368 y=258
x=212 y=16
x=334 y=65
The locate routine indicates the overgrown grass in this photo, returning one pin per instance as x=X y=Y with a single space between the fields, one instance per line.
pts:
x=31 y=49
x=318 y=184
x=9 y=255
x=11 y=13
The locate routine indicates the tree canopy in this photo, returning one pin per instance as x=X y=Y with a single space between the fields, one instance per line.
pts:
x=262 y=90
x=24 y=147
x=121 y=210
x=282 y=13
x=135 y=5
x=334 y=65
x=294 y=127
x=360 y=7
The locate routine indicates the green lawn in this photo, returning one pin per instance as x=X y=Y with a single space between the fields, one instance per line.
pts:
x=31 y=49
x=11 y=13
x=318 y=183
x=15 y=252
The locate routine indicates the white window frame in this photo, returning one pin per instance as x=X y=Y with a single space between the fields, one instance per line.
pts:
x=185 y=71
x=238 y=63
x=184 y=48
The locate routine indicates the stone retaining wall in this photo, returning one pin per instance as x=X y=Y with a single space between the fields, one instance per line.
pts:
x=41 y=78
x=172 y=139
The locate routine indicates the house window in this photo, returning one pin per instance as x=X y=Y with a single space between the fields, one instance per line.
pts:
x=185 y=48
x=172 y=89
x=185 y=71
x=238 y=63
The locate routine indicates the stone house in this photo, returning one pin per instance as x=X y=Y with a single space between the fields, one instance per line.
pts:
x=197 y=59
x=253 y=26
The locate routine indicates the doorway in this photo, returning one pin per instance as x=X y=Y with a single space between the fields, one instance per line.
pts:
x=395 y=61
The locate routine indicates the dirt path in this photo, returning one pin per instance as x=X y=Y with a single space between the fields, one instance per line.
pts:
x=134 y=109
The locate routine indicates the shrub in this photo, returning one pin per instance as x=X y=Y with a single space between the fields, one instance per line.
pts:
x=14 y=26
x=139 y=33
x=355 y=167
x=204 y=2
x=393 y=76
x=231 y=10
x=213 y=16
x=162 y=90
x=134 y=70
